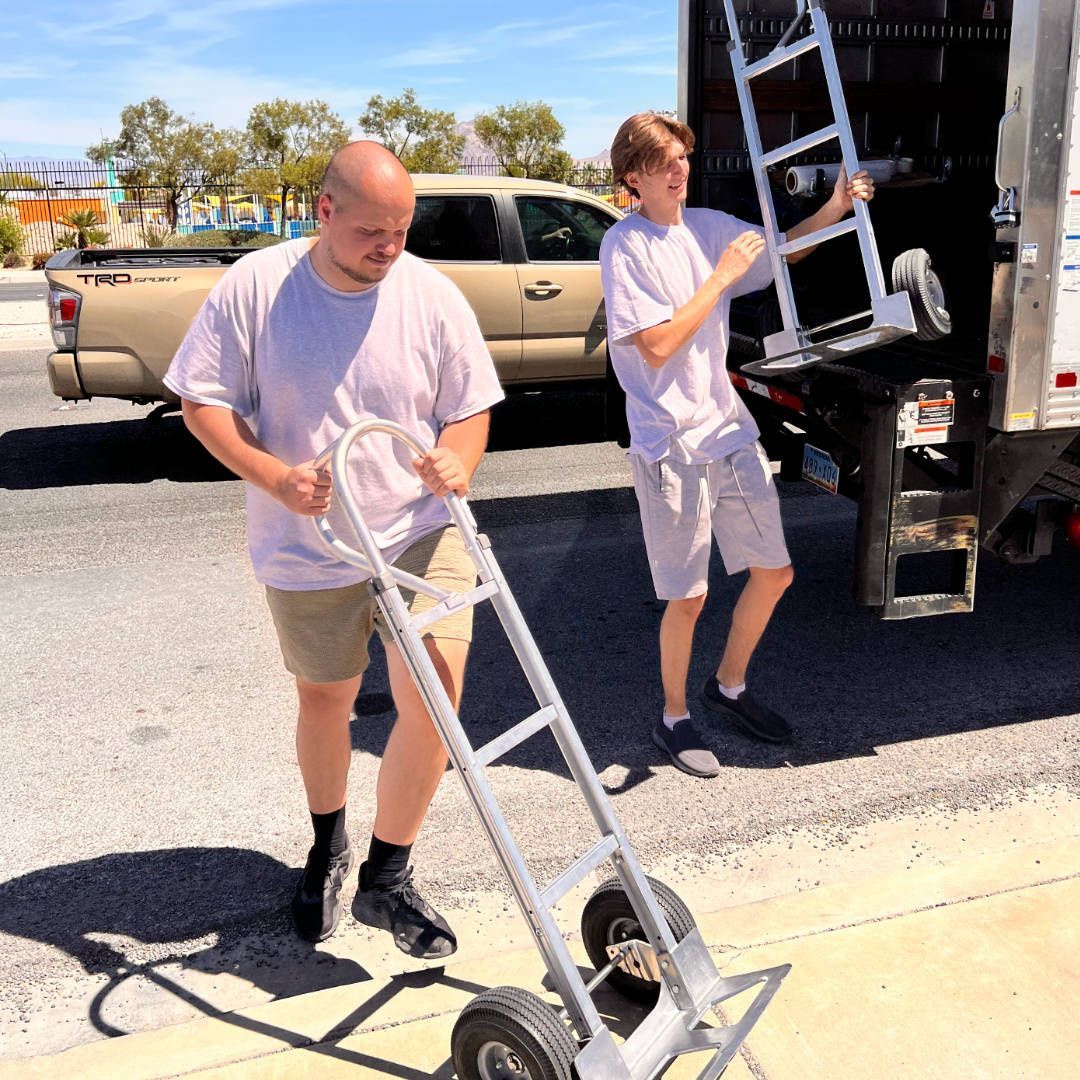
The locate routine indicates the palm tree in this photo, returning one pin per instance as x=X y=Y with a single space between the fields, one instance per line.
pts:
x=86 y=228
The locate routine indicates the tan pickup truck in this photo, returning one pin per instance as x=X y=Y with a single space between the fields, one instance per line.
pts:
x=524 y=253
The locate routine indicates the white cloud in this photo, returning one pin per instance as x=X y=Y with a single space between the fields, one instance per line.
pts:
x=560 y=35
x=667 y=71
x=630 y=46
x=436 y=53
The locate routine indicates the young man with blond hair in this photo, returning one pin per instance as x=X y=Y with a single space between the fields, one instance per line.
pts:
x=669 y=277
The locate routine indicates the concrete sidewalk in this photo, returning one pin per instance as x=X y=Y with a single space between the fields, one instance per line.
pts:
x=24 y=324
x=943 y=946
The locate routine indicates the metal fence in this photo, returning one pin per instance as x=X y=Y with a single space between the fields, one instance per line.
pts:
x=41 y=194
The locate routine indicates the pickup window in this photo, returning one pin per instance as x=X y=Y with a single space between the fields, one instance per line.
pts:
x=561 y=230
x=454 y=228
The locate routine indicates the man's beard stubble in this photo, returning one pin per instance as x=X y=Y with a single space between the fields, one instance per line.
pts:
x=358 y=276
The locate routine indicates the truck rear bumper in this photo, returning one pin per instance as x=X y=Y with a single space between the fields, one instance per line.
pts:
x=64 y=377
x=104 y=373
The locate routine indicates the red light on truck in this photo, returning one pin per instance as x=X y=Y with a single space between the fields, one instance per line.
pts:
x=1065 y=380
x=68 y=305
x=995 y=365
x=1072 y=526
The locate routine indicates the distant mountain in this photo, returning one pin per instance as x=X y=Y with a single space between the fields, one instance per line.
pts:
x=474 y=151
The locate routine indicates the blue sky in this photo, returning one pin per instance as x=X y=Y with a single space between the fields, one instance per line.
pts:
x=73 y=64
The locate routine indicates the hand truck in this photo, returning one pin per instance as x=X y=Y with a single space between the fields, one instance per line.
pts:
x=891 y=315
x=637 y=932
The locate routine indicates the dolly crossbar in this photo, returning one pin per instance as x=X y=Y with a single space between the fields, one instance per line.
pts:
x=689 y=983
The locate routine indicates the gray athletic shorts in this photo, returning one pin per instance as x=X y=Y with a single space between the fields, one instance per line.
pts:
x=734 y=499
x=324 y=633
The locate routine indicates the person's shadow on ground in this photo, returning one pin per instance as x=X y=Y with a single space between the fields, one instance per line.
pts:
x=214 y=911
x=179 y=895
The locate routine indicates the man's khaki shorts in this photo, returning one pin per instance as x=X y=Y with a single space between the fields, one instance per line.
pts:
x=734 y=499
x=324 y=633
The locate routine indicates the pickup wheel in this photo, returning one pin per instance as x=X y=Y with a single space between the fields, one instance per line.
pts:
x=912 y=273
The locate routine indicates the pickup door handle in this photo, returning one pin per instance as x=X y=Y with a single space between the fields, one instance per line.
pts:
x=542 y=290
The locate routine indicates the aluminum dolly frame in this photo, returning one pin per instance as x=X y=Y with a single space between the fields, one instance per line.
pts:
x=690 y=985
x=891 y=315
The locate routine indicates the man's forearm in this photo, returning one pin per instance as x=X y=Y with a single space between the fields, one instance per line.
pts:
x=828 y=215
x=231 y=441
x=658 y=344
x=468 y=439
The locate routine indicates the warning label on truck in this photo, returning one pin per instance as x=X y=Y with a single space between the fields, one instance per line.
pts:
x=923 y=423
x=1070 y=247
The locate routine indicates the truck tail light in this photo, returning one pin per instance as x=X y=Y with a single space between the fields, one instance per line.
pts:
x=1072 y=526
x=1065 y=380
x=64 y=316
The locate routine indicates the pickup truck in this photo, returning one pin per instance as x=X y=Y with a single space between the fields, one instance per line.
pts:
x=524 y=253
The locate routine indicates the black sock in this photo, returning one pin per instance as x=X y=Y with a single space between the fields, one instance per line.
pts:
x=330 y=836
x=386 y=863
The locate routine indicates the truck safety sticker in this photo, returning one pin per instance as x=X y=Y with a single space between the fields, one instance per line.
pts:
x=923 y=423
x=1070 y=248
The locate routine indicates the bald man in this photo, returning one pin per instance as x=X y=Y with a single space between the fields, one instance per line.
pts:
x=294 y=344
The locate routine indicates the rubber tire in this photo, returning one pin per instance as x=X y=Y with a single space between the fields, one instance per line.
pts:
x=912 y=273
x=608 y=904
x=520 y=1020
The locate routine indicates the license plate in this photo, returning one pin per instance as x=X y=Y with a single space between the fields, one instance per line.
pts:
x=820 y=469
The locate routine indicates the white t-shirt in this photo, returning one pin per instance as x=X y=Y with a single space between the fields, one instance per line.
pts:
x=301 y=362
x=687 y=409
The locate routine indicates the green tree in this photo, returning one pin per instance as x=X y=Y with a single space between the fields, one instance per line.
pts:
x=11 y=234
x=85 y=228
x=292 y=141
x=224 y=156
x=168 y=151
x=424 y=139
x=525 y=138
x=17 y=181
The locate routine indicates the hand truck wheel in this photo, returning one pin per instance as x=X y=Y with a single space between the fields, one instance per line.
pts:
x=510 y=1034
x=912 y=273
x=609 y=918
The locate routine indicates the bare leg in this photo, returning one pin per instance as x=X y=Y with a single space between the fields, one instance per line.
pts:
x=323 y=745
x=676 y=643
x=414 y=760
x=752 y=612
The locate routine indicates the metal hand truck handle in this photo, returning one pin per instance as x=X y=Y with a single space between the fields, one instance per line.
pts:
x=372 y=558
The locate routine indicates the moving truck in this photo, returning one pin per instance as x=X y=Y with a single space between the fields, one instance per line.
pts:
x=965 y=435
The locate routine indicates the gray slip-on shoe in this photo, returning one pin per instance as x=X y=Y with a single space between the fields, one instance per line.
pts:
x=749 y=713
x=685 y=748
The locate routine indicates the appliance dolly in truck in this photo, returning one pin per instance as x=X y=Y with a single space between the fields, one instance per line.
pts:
x=636 y=931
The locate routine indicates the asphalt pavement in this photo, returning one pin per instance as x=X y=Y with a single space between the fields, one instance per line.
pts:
x=153 y=815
